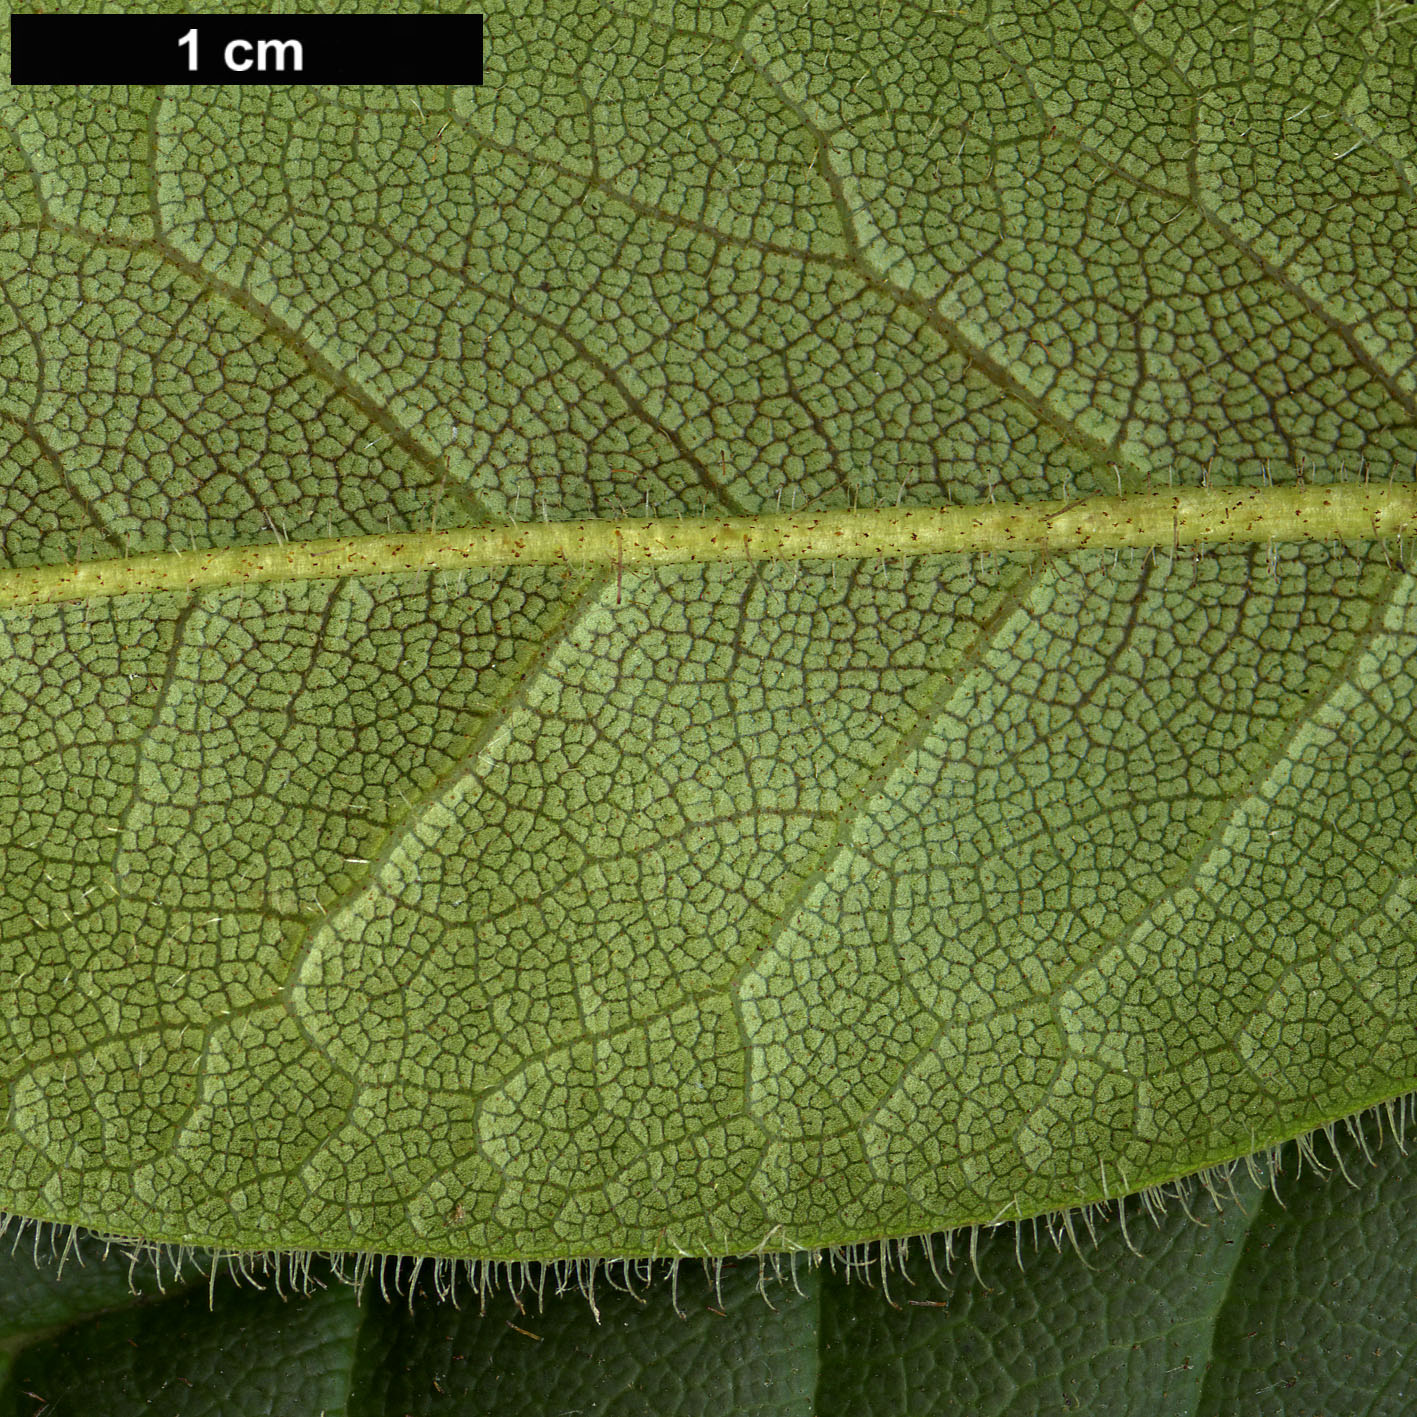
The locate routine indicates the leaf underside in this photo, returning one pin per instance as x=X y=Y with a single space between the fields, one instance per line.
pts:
x=544 y=912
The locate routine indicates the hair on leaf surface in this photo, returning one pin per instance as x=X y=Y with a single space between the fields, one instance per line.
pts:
x=896 y=1267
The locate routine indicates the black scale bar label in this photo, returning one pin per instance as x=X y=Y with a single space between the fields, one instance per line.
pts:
x=246 y=49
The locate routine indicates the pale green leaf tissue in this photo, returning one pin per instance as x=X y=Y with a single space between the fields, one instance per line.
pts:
x=553 y=912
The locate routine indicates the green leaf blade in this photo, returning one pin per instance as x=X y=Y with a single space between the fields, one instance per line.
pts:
x=557 y=912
